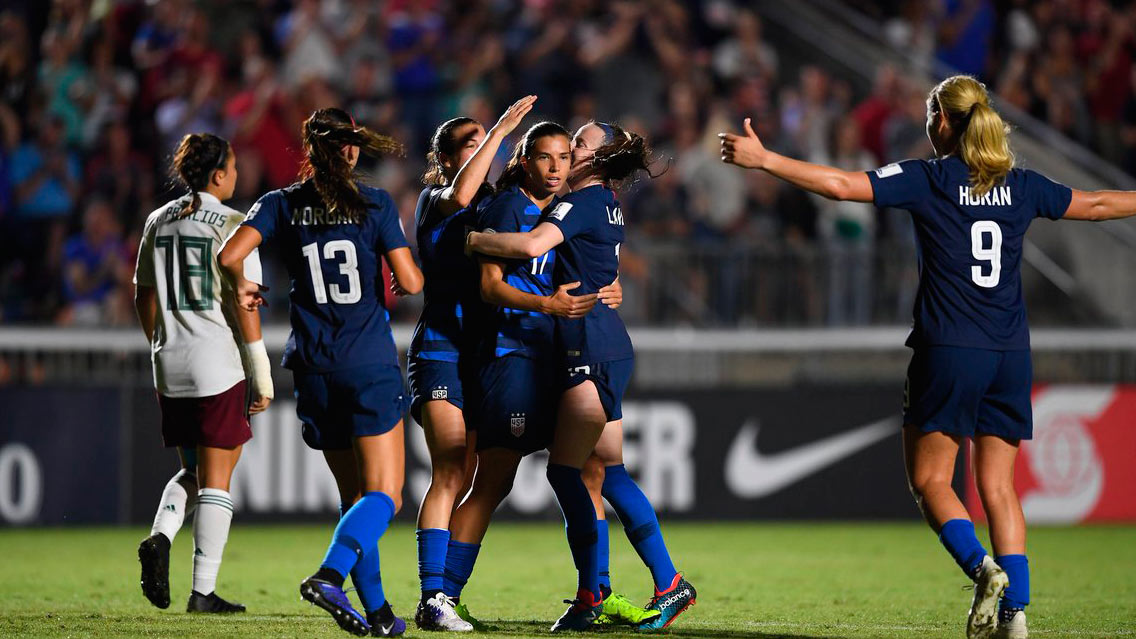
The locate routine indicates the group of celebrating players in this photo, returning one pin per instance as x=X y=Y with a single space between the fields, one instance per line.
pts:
x=520 y=348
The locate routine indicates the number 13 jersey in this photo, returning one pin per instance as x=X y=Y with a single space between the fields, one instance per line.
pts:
x=970 y=248
x=338 y=312
x=194 y=349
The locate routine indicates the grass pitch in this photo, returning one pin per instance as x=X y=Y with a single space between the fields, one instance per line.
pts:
x=753 y=580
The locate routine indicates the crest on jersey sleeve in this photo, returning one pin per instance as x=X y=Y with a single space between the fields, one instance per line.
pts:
x=889 y=170
x=560 y=211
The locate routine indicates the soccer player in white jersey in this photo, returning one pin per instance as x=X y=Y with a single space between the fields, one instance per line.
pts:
x=204 y=382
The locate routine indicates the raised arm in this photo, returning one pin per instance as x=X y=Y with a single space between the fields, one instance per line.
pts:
x=526 y=245
x=748 y=152
x=495 y=290
x=472 y=175
x=1098 y=206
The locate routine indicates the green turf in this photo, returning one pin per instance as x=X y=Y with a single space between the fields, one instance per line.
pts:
x=754 y=580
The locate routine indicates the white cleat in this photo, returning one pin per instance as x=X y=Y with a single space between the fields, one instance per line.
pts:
x=437 y=613
x=1015 y=628
x=988 y=588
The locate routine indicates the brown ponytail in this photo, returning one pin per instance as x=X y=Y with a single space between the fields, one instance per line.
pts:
x=622 y=155
x=442 y=143
x=326 y=132
x=197 y=156
x=984 y=144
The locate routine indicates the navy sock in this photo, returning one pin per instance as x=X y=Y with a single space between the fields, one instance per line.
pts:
x=579 y=524
x=367 y=576
x=1017 y=594
x=603 y=553
x=432 y=545
x=959 y=539
x=460 y=558
x=640 y=524
x=358 y=532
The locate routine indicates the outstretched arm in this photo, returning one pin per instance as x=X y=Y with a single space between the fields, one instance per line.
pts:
x=1097 y=206
x=748 y=152
x=530 y=244
x=471 y=176
x=495 y=290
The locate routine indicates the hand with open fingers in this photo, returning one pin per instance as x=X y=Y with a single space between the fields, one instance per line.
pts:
x=745 y=151
x=514 y=114
x=259 y=405
x=250 y=295
x=611 y=295
x=571 y=306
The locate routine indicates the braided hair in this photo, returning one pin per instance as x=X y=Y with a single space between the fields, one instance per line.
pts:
x=325 y=133
x=197 y=156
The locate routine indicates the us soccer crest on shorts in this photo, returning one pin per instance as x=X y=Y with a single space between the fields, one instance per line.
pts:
x=517 y=424
x=440 y=392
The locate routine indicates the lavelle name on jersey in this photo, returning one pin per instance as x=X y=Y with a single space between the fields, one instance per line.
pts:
x=312 y=216
x=997 y=196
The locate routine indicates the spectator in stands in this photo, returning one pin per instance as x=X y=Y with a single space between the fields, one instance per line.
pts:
x=745 y=53
x=59 y=79
x=965 y=35
x=93 y=261
x=121 y=175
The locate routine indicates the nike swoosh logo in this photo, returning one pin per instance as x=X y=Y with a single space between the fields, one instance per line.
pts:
x=751 y=474
x=385 y=630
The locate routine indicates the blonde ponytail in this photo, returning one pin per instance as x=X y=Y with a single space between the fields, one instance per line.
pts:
x=984 y=144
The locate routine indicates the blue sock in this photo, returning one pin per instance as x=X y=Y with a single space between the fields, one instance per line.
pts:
x=959 y=539
x=367 y=576
x=432 y=545
x=603 y=553
x=358 y=532
x=579 y=524
x=460 y=558
x=640 y=524
x=1017 y=595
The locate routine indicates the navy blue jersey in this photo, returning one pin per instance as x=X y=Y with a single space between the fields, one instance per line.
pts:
x=451 y=297
x=509 y=330
x=339 y=319
x=970 y=249
x=592 y=224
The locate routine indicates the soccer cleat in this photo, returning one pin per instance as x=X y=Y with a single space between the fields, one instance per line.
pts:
x=331 y=598
x=1012 y=625
x=384 y=623
x=989 y=585
x=463 y=611
x=618 y=609
x=437 y=613
x=154 y=555
x=670 y=603
x=581 y=614
x=211 y=604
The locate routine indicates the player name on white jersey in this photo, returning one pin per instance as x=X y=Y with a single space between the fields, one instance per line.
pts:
x=997 y=196
x=309 y=216
x=214 y=218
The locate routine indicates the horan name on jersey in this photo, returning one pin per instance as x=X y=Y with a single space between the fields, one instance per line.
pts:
x=997 y=196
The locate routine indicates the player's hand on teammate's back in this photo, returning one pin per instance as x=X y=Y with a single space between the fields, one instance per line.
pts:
x=250 y=295
x=567 y=305
x=745 y=151
x=514 y=114
x=611 y=295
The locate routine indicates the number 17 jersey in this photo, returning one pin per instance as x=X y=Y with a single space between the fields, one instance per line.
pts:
x=338 y=314
x=970 y=248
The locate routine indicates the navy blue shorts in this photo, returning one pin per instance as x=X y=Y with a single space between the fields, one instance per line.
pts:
x=434 y=380
x=964 y=391
x=518 y=404
x=339 y=406
x=611 y=380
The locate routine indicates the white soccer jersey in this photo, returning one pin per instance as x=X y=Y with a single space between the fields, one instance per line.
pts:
x=195 y=350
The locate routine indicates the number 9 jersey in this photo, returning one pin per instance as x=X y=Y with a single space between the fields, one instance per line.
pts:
x=338 y=314
x=194 y=349
x=970 y=248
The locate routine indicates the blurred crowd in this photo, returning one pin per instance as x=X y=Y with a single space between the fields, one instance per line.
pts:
x=96 y=93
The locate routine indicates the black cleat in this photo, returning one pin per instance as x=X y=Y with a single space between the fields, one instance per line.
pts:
x=331 y=598
x=154 y=555
x=212 y=604
x=384 y=623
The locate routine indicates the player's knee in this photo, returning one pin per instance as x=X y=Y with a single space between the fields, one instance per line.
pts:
x=995 y=489
x=449 y=476
x=920 y=484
